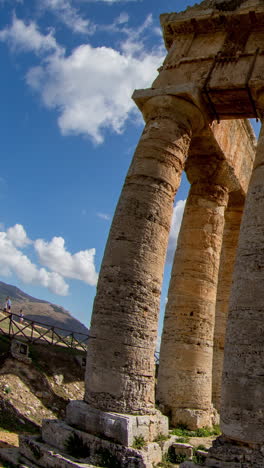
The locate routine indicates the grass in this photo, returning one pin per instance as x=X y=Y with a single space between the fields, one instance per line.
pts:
x=183 y=440
x=161 y=438
x=182 y=431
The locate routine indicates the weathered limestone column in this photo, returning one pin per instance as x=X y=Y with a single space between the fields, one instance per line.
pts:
x=233 y=216
x=120 y=361
x=242 y=409
x=185 y=370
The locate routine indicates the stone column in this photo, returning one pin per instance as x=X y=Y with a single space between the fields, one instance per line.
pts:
x=185 y=371
x=233 y=217
x=120 y=362
x=242 y=409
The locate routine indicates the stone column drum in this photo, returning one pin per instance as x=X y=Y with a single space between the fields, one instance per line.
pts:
x=120 y=362
x=242 y=409
x=233 y=216
x=185 y=371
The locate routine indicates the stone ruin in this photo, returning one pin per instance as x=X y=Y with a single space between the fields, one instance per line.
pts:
x=211 y=81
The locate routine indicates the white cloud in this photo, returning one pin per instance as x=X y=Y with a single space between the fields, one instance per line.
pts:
x=18 y=236
x=175 y=228
x=27 y=38
x=91 y=87
x=12 y=260
x=78 y=266
x=61 y=264
x=69 y=15
x=104 y=216
x=122 y=18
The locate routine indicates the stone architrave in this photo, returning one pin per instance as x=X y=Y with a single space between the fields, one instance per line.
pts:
x=185 y=370
x=120 y=373
x=242 y=406
x=233 y=216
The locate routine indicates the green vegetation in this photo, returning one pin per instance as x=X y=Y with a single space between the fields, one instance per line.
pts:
x=201 y=447
x=182 y=431
x=75 y=446
x=183 y=440
x=107 y=459
x=198 y=458
x=139 y=442
x=171 y=458
x=161 y=438
x=6 y=464
x=165 y=463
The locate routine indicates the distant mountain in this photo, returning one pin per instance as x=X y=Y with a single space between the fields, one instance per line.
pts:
x=38 y=310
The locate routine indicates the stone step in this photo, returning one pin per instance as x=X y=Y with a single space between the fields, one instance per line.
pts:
x=13 y=456
x=44 y=455
x=69 y=439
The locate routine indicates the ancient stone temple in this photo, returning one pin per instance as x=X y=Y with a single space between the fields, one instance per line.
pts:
x=212 y=79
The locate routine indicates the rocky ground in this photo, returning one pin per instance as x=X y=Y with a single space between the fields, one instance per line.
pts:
x=8 y=439
x=30 y=392
x=41 y=389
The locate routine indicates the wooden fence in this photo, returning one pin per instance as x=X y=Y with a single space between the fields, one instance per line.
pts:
x=33 y=331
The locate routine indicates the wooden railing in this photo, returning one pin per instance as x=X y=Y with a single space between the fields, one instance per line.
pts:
x=33 y=331
x=156 y=356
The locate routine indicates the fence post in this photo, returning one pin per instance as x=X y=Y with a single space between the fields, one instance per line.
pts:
x=52 y=335
x=72 y=340
x=32 y=329
x=10 y=323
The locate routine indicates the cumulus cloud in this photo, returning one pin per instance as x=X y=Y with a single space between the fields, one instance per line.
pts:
x=12 y=260
x=61 y=264
x=27 y=38
x=175 y=228
x=78 y=266
x=69 y=15
x=90 y=87
x=18 y=236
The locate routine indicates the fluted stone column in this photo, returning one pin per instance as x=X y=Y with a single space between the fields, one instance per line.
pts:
x=120 y=360
x=242 y=409
x=233 y=216
x=185 y=371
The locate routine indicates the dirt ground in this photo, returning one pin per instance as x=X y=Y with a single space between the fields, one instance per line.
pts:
x=8 y=439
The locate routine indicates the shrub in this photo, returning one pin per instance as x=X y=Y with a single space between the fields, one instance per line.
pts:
x=75 y=446
x=107 y=459
x=139 y=442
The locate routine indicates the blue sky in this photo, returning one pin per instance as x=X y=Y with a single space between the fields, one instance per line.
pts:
x=69 y=130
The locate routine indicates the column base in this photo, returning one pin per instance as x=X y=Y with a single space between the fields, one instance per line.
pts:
x=119 y=428
x=228 y=453
x=195 y=418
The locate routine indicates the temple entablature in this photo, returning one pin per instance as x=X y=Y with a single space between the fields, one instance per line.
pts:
x=219 y=51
